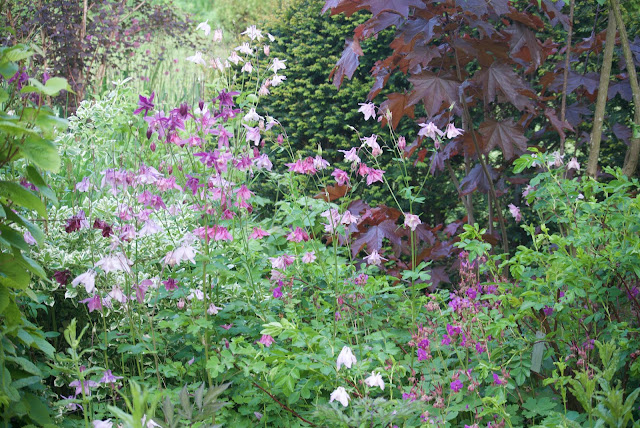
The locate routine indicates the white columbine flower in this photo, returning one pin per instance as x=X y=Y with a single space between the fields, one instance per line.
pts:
x=375 y=380
x=88 y=279
x=346 y=358
x=197 y=58
x=253 y=33
x=204 y=26
x=278 y=65
x=340 y=394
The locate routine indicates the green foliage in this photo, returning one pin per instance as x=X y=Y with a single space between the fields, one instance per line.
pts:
x=311 y=109
x=26 y=128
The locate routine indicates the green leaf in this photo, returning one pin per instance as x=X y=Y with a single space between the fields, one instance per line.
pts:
x=53 y=86
x=16 y=53
x=36 y=179
x=4 y=95
x=25 y=365
x=4 y=298
x=31 y=265
x=42 y=152
x=13 y=274
x=12 y=238
x=21 y=196
x=20 y=220
x=41 y=344
x=8 y=69
x=16 y=129
x=26 y=381
x=39 y=412
x=48 y=122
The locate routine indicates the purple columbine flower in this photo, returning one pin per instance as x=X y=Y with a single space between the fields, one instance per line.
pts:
x=226 y=98
x=108 y=377
x=145 y=104
x=93 y=303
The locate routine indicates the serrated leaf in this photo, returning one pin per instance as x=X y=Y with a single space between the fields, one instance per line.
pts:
x=214 y=392
x=506 y=134
x=25 y=365
x=21 y=196
x=436 y=92
x=185 y=403
x=199 y=396
x=347 y=63
x=499 y=80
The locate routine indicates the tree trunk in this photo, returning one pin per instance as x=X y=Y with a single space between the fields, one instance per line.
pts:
x=601 y=102
x=567 y=66
x=631 y=160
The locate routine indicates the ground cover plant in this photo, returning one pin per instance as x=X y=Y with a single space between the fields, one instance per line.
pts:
x=191 y=264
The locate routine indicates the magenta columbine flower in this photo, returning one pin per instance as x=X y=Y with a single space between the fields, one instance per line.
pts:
x=145 y=104
x=277 y=292
x=266 y=340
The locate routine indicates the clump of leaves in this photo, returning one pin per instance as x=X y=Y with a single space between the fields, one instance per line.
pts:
x=204 y=406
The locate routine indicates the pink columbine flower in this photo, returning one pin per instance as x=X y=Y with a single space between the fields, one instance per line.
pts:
x=341 y=176
x=374 y=258
x=411 y=221
x=309 y=257
x=402 y=143
x=266 y=340
x=258 y=233
x=368 y=109
x=348 y=218
x=452 y=131
x=247 y=67
x=351 y=155
x=429 y=130
x=319 y=163
x=298 y=235
x=374 y=175
x=213 y=309
x=515 y=212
